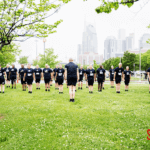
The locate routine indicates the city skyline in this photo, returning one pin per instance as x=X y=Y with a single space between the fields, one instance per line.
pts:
x=88 y=50
x=114 y=47
x=69 y=32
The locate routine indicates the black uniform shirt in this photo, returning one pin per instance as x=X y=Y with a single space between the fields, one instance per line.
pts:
x=119 y=72
x=29 y=73
x=47 y=72
x=90 y=73
x=22 y=71
x=37 y=72
x=71 y=69
x=100 y=73
x=60 y=72
x=127 y=74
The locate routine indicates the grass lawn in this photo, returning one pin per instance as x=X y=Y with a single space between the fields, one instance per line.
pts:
x=44 y=120
x=132 y=78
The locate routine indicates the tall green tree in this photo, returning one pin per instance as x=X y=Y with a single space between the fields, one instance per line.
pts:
x=107 y=64
x=145 y=63
x=22 y=19
x=115 y=62
x=8 y=54
x=95 y=66
x=49 y=58
x=128 y=60
x=35 y=62
x=23 y=60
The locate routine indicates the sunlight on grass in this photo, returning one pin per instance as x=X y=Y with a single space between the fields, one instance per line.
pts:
x=47 y=120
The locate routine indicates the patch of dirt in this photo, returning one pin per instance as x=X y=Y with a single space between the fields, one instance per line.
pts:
x=1 y=116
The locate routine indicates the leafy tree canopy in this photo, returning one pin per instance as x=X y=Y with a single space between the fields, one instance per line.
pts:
x=25 y=18
x=23 y=60
x=108 y=6
x=8 y=54
x=49 y=58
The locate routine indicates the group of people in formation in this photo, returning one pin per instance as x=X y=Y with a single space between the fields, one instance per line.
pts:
x=72 y=74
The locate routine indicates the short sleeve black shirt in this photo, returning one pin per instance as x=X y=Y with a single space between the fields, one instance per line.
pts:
x=55 y=70
x=37 y=72
x=47 y=72
x=13 y=71
x=2 y=72
x=29 y=73
x=90 y=73
x=60 y=72
x=71 y=70
x=100 y=73
x=148 y=70
x=127 y=74
x=119 y=72
x=81 y=72
x=22 y=71
x=7 y=70
x=112 y=72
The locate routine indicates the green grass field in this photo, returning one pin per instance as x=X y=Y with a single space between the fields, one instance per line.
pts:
x=132 y=78
x=44 y=120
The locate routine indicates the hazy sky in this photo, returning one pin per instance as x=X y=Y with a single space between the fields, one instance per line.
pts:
x=69 y=32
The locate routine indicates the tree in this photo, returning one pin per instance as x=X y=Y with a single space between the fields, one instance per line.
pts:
x=95 y=66
x=107 y=6
x=23 y=60
x=107 y=64
x=137 y=59
x=49 y=58
x=35 y=62
x=25 y=19
x=8 y=54
x=128 y=60
x=111 y=62
x=145 y=63
x=115 y=62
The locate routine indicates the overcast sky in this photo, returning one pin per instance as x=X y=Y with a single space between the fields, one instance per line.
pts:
x=69 y=32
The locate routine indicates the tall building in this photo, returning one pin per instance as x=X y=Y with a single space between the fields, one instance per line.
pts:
x=122 y=34
x=89 y=40
x=129 y=42
x=115 y=47
x=143 y=43
x=123 y=44
x=88 y=50
x=110 y=47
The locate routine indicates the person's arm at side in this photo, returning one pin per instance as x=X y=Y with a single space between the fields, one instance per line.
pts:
x=24 y=76
x=56 y=76
x=5 y=73
x=33 y=76
x=114 y=75
x=17 y=75
x=9 y=74
x=123 y=76
x=51 y=75
x=77 y=74
x=66 y=73
x=43 y=74
x=104 y=75
x=94 y=76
